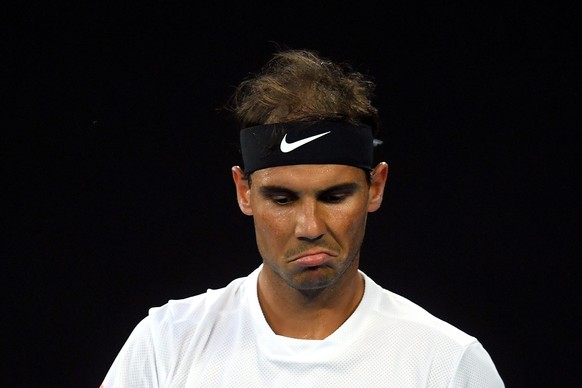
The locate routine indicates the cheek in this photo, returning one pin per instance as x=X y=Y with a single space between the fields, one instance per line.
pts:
x=357 y=225
x=352 y=222
x=271 y=222
x=272 y=228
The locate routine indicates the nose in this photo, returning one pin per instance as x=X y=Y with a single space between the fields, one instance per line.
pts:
x=310 y=222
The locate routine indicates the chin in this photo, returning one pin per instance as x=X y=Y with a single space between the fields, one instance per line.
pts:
x=315 y=278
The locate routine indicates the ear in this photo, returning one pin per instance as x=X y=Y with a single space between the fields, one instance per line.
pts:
x=378 y=181
x=243 y=190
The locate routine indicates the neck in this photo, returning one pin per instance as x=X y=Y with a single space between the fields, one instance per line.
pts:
x=312 y=314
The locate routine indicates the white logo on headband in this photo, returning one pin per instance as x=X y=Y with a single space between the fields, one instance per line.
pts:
x=288 y=147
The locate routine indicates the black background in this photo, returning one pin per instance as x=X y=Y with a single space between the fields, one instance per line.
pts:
x=117 y=169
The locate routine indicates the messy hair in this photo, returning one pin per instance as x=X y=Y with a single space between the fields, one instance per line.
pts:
x=300 y=85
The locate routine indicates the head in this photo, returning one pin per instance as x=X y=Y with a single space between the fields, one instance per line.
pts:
x=307 y=137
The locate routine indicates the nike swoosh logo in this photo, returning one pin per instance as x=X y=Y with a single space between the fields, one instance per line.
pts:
x=288 y=147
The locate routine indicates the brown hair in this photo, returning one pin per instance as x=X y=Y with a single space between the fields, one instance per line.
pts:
x=300 y=85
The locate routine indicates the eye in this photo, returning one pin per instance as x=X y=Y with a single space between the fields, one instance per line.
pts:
x=277 y=195
x=281 y=199
x=334 y=197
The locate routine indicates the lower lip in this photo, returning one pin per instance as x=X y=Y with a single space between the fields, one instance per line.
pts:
x=312 y=260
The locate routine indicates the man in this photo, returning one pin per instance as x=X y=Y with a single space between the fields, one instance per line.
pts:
x=307 y=316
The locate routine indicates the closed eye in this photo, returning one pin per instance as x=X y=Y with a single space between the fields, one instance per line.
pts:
x=337 y=194
x=277 y=195
x=333 y=197
x=281 y=199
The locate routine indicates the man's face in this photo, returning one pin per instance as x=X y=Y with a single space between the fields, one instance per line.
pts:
x=310 y=220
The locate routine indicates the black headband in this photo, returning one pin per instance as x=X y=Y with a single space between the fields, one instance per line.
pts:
x=312 y=142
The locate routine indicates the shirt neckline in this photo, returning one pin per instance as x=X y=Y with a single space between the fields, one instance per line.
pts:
x=278 y=345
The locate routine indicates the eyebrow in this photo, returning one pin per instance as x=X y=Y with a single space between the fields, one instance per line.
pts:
x=272 y=191
x=277 y=190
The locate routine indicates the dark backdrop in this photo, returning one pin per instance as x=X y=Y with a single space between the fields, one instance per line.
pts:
x=117 y=170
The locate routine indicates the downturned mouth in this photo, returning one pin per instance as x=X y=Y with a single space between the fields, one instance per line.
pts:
x=312 y=259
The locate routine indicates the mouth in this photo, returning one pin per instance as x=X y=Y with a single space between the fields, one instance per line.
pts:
x=313 y=259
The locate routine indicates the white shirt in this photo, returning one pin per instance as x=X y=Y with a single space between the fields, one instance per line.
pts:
x=221 y=339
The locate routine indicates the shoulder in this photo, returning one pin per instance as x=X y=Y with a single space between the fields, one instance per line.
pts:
x=170 y=331
x=403 y=315
x=413 y=332
x=193 y=309
x=184 y=315
x=475 y=368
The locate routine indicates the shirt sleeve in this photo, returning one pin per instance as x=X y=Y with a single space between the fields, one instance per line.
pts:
x=135 y=365
x=476 y=370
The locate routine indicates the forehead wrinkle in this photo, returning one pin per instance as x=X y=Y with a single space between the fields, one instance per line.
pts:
x=308 y=177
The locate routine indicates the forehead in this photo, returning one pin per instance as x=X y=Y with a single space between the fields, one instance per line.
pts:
x=308 y=176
